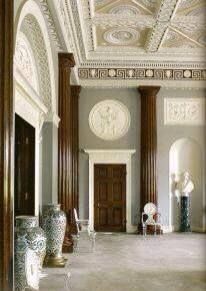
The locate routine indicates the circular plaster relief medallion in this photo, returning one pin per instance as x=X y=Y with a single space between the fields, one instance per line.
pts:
x=126 y=10
x=121 y=36
x=109 y=119
x=187 y=73
x=149 y=73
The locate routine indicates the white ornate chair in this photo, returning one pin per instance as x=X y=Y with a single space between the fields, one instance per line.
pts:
x=152 y=217
x=83 y=232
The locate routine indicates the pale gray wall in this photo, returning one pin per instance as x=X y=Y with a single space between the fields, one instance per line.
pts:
x=49 y=163
x=88 y=98
x=166 y=136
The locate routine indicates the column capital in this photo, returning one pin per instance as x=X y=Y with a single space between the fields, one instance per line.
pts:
x=75 y=90
x=66 y=60
x=148 y=91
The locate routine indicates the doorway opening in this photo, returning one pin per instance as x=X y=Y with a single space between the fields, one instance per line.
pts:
x=24 y=181
x=110 y=197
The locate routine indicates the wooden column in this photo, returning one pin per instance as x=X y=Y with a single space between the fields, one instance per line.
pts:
x=74 y=119
x=6 y=145
x=148 y=178
x=68 y=146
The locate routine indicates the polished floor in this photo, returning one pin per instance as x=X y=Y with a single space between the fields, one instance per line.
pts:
x=121 y=262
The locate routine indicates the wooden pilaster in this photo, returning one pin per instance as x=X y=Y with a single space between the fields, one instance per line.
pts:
x=74 y=119
x=68 y=146
x=6 y=145
x=148 y=179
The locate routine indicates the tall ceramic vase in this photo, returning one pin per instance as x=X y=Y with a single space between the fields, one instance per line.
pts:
x=26 y=264
x=34 y=235
x=54 y=225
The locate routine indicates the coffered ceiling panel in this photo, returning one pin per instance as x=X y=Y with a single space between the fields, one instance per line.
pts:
x=137 y=33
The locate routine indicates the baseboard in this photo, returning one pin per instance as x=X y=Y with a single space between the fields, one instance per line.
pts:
x=168 y=228
x=174 y=228
x=198 y=229
x=131 y=228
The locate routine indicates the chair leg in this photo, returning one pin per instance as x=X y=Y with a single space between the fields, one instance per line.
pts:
x=145 y=230
x=93 y=242
x=76 y=242
x=155 y=229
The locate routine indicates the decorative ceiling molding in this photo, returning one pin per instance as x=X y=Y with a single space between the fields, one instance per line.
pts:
x=120 y=36
x=25 y=61
x=33 y=32
x=142 y=74
x=133 y=83
x=52 y=29
x=125 y=10
x=108 y=20
x=89 y=27
x=163 y=19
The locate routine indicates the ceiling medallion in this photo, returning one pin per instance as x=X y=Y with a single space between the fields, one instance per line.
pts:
x=109 y=119
x=121 y=36
x=126 y=10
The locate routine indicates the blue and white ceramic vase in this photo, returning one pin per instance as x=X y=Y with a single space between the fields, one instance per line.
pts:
x=34 y=235
x=54 y=225
x=26 y=264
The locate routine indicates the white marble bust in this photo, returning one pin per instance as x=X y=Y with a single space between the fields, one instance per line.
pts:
x=185 y=185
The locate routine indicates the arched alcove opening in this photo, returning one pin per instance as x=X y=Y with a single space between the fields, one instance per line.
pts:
x=34 y=76
x=185 y=155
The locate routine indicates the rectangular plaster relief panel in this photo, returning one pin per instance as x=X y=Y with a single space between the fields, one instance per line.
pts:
x=184 y=111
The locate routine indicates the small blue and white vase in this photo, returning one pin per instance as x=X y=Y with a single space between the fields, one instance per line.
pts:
x=34 y=235
x=54 y=225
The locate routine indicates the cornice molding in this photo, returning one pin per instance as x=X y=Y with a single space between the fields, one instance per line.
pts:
x=168 y=74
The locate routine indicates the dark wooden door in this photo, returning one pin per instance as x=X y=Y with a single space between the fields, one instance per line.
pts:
x=110 y=197
x=24 y=183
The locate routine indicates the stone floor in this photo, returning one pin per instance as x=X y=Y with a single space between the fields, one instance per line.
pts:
x=121 y=262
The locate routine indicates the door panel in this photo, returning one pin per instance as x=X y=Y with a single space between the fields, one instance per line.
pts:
x=24 y=167
x=110 y=197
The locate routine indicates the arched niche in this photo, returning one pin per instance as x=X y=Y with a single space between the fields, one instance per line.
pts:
x=31 y=22
x=186 y=155
x=34 y=78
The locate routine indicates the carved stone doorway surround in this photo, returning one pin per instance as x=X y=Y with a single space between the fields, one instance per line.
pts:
x=111 y=157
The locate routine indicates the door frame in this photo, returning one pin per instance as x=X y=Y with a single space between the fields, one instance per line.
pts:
x=33 y=111
x=26 y=125
x=111 y=157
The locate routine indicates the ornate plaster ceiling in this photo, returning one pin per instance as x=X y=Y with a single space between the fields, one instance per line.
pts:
x=136 y=39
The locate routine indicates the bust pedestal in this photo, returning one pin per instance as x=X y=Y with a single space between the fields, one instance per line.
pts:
x=185 y=214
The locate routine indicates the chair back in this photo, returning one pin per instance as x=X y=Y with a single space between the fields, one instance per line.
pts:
x=76 y=220
x=150 y=210
x=75 y=215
